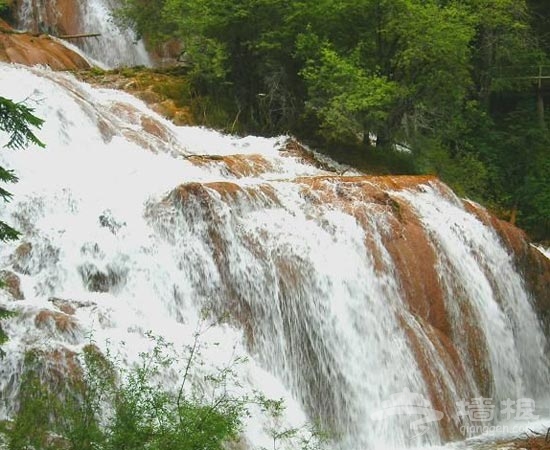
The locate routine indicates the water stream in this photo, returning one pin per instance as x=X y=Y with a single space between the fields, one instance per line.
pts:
x=309 y=269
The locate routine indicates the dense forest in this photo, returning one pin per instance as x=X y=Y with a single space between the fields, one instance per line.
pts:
x=457 y=88
x=451 y=87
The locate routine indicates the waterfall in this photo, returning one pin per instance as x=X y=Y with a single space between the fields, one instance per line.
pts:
x=123 y=50
x=115 y=47
x=343 y=291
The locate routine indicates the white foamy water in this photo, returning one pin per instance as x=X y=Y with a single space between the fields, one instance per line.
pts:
x=318 y=316
x=476 y=269
x=545 y=251
x=115 y=47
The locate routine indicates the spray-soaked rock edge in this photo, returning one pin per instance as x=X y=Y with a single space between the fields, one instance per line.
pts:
x=37 y=49
x=531 y=262
x=460 y=345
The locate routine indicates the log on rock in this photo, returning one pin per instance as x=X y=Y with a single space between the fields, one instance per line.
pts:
x=77 y=36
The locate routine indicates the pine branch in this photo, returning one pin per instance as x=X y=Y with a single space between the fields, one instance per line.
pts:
x=17 y=119
x=7 y=176
x=8 y=233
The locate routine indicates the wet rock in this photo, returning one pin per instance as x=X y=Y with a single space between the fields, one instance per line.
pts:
x=21 y=257
x=59 y=17
x=203 y=195
x=108 y=221
x=164 y=91
x=95 y=280
x=58 y=322
x=43 y=50
x=294 y=149
x=69 y=306
x=532 y=264
x=237 y=165
x=57 y=367
x=156 y=128
x=30 y=259
x=12 y=284
x=167 y=53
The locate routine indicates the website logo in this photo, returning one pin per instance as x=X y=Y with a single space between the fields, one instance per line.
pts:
x=410 y=404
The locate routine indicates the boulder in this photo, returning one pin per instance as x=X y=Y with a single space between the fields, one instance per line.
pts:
x=30 y=50
x=12 y=284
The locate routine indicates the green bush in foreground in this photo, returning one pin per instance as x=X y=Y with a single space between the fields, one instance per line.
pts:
x=100 y=405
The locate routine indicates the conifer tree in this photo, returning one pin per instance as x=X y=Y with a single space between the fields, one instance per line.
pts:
x=16 y=119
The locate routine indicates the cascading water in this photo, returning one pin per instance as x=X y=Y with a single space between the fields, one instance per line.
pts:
x=344 y=291
x=470 y=252
x=122 y=45
x=114 y=47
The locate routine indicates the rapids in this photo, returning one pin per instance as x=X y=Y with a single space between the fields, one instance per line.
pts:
x=115 y=47
x=342 y=291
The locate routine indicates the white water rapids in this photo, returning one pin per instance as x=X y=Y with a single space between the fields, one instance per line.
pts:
x=317 y=315
x=114 y=47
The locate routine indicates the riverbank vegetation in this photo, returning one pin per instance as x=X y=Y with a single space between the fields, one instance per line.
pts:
x=93 y=401
x=455 y=88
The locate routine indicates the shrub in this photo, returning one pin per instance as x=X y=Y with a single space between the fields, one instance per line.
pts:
x=102 y=405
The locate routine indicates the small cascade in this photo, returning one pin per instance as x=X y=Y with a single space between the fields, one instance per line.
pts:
x=484 y=290
x=345 y=292
x=115 y=47
x=123 y=49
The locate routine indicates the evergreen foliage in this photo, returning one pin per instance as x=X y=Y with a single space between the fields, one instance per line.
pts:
x=451 y=80
x=17 y=120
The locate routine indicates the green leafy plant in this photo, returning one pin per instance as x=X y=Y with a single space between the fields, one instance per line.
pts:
x=4 y=5
x=17 y=120
x=105 y=405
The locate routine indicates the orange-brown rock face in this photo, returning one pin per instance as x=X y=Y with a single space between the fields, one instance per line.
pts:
x=32 y=50
x=61 y=322
x=168 y=53
x=532 y=264
x=33 y=45
x=235 y=165
x=57 y=17
x=12 y=284
x=370 y=200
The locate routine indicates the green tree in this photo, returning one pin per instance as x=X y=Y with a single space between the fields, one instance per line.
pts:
x=17 y=120
x=402 y=70
x=240 y=53
x=450 y=79
x=397 y=60
x=505 y=46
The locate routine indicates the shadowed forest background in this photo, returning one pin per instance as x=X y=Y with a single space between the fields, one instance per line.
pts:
x=455 y=88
